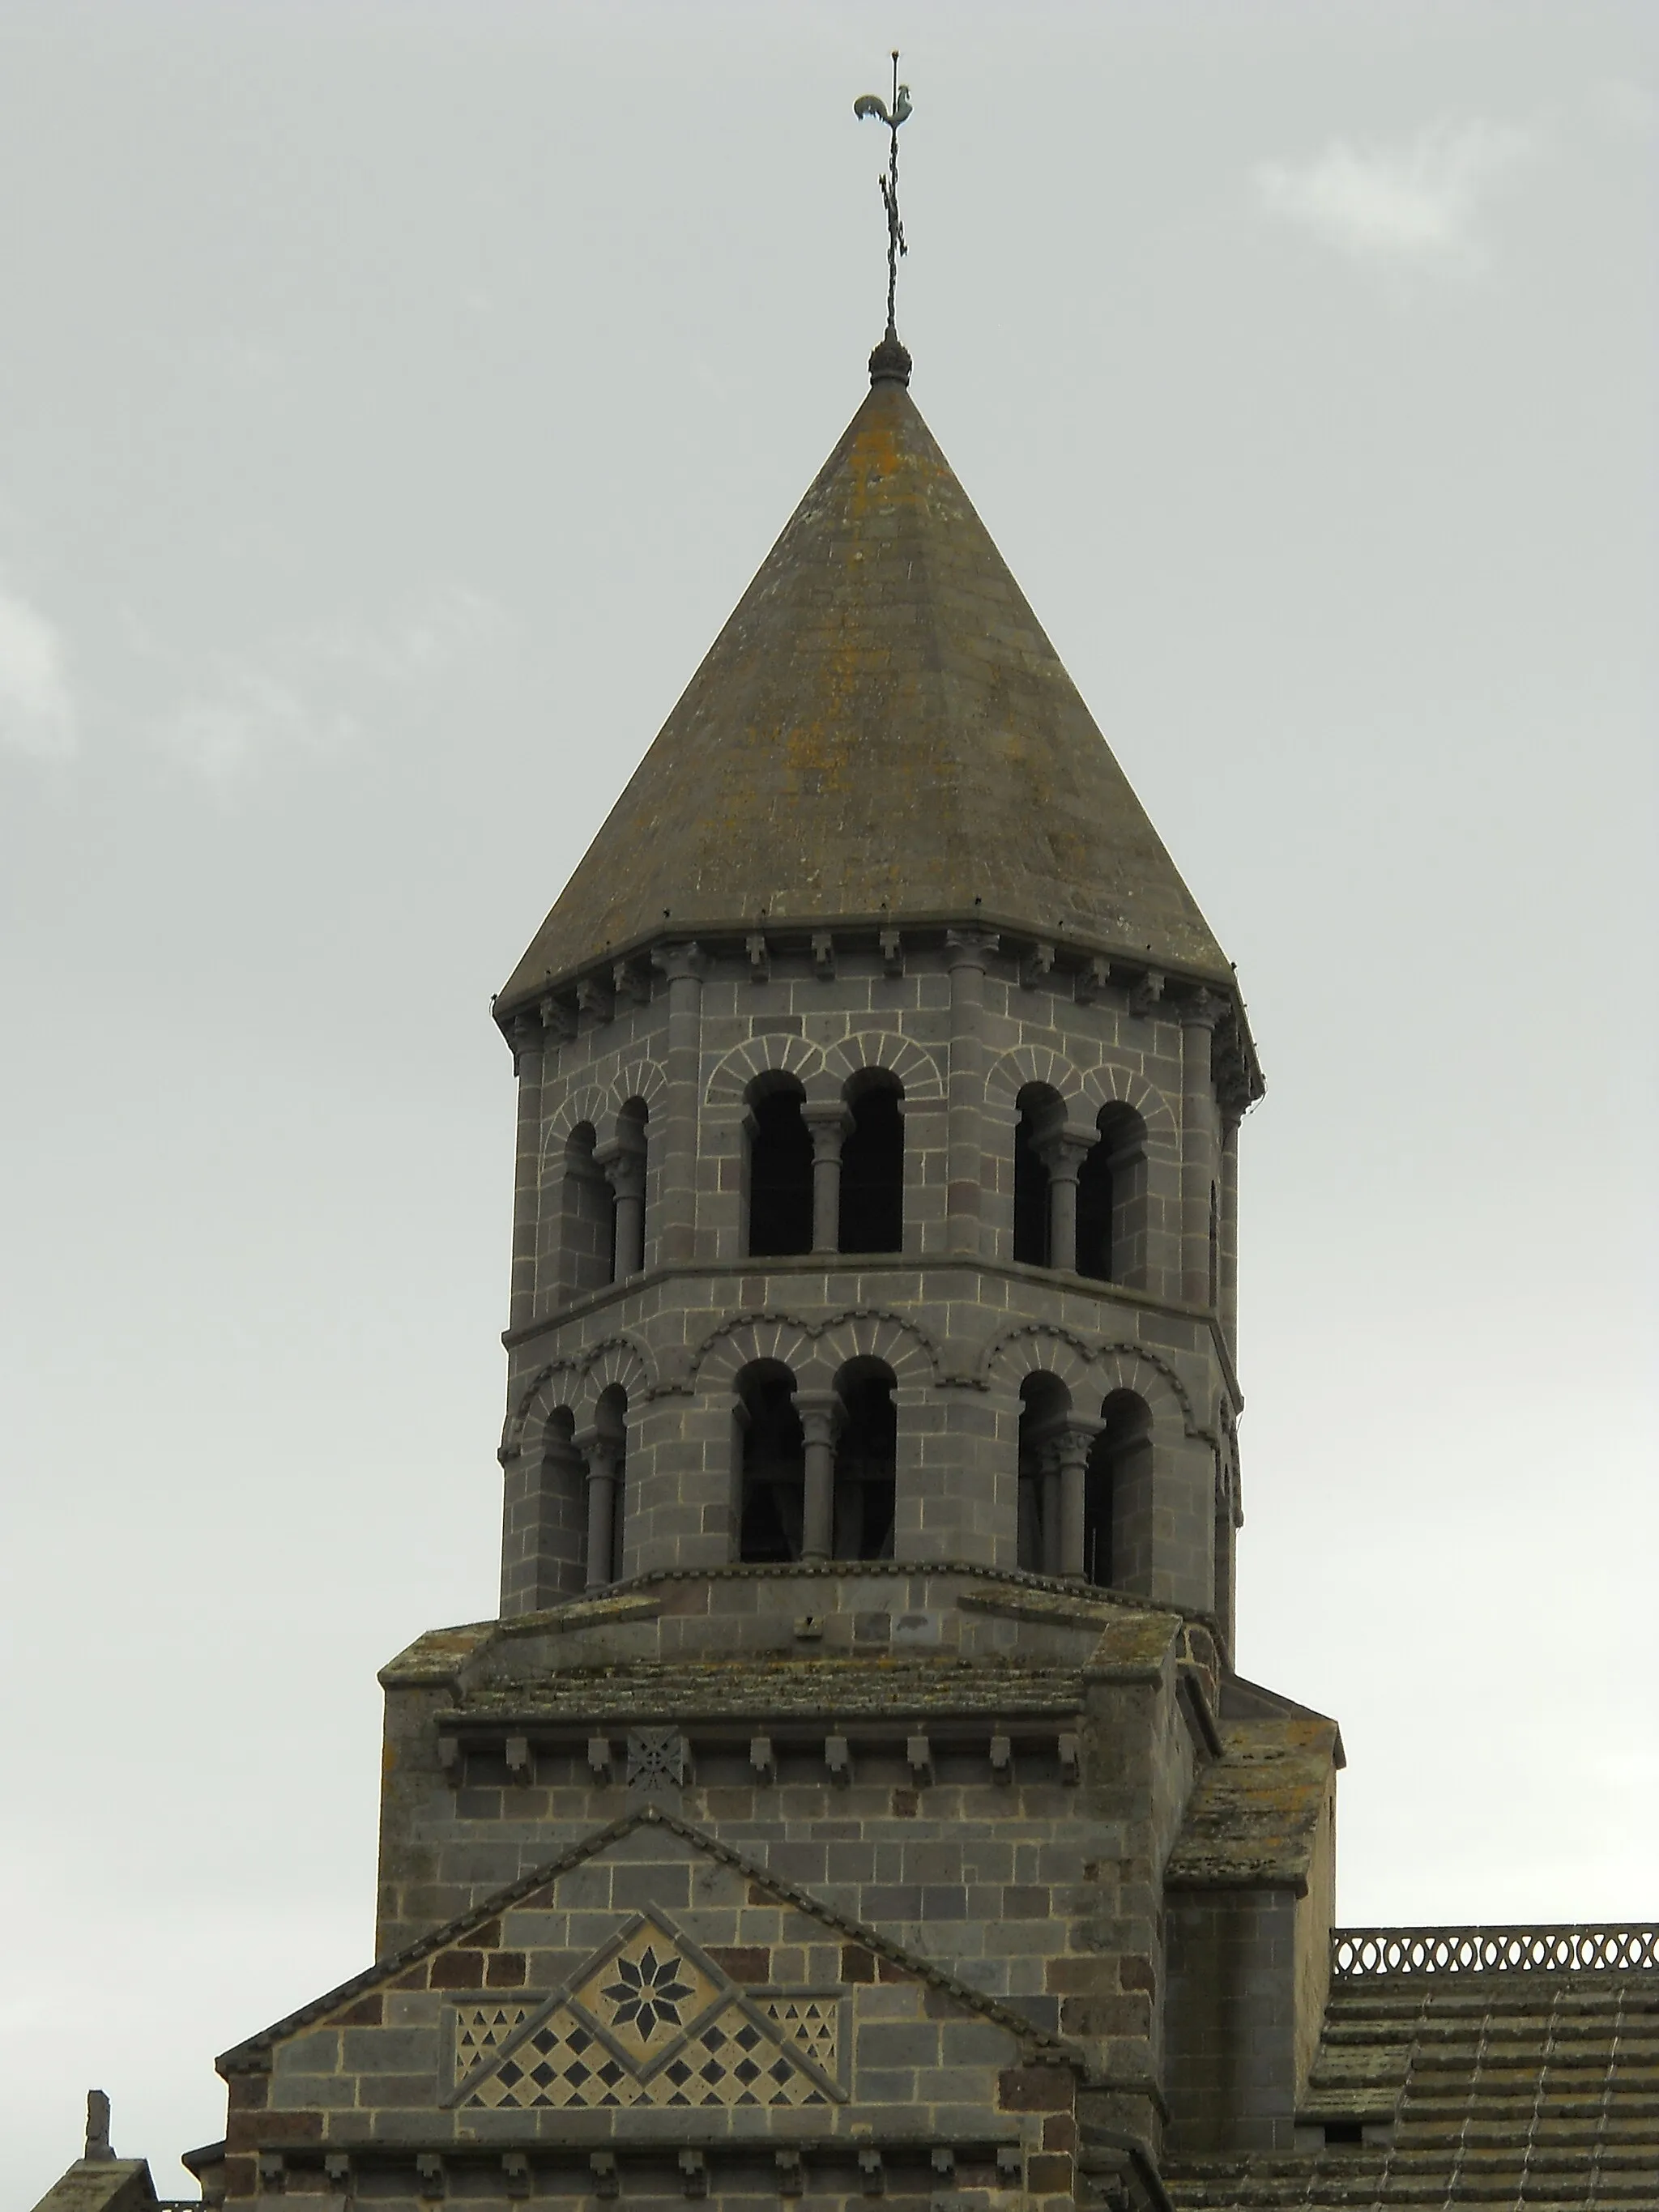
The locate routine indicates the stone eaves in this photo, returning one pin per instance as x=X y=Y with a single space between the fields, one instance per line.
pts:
x=1253 y=1818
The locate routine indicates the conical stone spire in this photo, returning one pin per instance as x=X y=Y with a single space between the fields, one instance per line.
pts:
x=881 y=732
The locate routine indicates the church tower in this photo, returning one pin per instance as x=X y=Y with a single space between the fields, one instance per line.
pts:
x=855 y=1795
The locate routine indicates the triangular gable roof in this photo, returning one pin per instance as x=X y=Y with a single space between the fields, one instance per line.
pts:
x=881 y=732
x=248 y=2057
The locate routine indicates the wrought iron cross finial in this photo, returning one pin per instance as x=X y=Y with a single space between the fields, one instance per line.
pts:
x=871 y=103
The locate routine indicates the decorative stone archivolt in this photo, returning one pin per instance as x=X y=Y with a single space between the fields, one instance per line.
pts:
x=1083 y=1091
x=914 y=1067
x=1090 y=1369
x=577 y=1384
x=640 y=1079
x=770 y=1053
x=598 y=1104
x=1008 y=1075
x=817 y=1349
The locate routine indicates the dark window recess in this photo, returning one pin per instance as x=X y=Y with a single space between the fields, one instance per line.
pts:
x=865 y=1461
x=773 y=1470
x=872 y=1175
x=1030 y=1198
x=1344 y=2131
x=1094 y=1215
x=780 y=1177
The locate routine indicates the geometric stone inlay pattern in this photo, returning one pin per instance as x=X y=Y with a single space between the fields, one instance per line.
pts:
x=648 y=2021
x=728 y=2060
x=812 y=2022
x=482 y=2029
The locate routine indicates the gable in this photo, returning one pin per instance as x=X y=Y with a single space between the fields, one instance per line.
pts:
x=650 y=2018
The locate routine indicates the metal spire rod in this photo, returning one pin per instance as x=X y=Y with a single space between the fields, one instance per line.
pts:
x=871 y=103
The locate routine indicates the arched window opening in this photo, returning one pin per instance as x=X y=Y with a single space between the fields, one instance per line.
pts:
x=607 y=1487
x=1041 y=1112
x=779 y=1169
x=585 y=1211
x=866 y=1453
x=545 y=1520
x=872 y=1168
x=623 y=1160
x=1111 y=1199
x=1044 y=1403
x=1117 y=1496
x=773 y=1459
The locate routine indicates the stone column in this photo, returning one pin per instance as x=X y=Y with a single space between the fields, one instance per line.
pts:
x=820 y=1421
x=528 y=1038
x=677 y=1118
x=1063 y=1157
x=828 y=1125
x=1054 y=1505
x=968 y=952
x=1230 y=1233
x=624 y=1162
x=604 y=1456
x=1070 y=1450
x=1200 y=1166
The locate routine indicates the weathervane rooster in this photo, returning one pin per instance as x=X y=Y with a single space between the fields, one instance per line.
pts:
x=871 y=103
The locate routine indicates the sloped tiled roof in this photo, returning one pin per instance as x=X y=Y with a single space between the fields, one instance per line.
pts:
x=881 y=731
x=1531 y=2090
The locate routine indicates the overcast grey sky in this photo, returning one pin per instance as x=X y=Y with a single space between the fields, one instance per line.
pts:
x=393 y=402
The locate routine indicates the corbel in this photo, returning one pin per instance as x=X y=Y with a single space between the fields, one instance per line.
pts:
x=429 y=2182
x=515 y=2171
x=600 y=1760
x=1011 y=2165
x=1145 y=991
x=694 y=2173
x=791 y=2172
x=602 y=2165
x=559 y=1019
x=1071 y=1761
x=763 y=1759
x=943 y=2159
x=592 y=997
x=273 y=2173
x=1094 y=981
x=1002 y=1758
x=521 y=1761
x=823 y=956
x=630 y=985
x=838 y=1757
x=760 y=958
x=871 y=2175
x=451 y=1760
x=1037 y=965
x=892 y=953
x=919 y=1758
x=336 y=2172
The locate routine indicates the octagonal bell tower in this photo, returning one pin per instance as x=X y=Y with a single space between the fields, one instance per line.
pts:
x=878 y=1084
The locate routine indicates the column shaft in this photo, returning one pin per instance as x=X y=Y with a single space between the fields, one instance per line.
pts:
x=1199 y=1165
x=676 y=1206
x=967 y=950
x=818 y=1411
x=528 y=1042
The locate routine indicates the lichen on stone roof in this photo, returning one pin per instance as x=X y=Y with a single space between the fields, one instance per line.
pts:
x=881 y=731
x=1253 y=1815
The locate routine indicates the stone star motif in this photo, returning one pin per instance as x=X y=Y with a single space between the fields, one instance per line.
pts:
x=648 y=1993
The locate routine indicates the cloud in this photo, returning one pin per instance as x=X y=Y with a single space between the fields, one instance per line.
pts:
x=320 y=690
x=37 y=710
x=1417 y=204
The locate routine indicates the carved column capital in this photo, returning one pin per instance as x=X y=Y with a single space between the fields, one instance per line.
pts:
x=680 y=963
x=970 y=948
x=1202 y=1009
